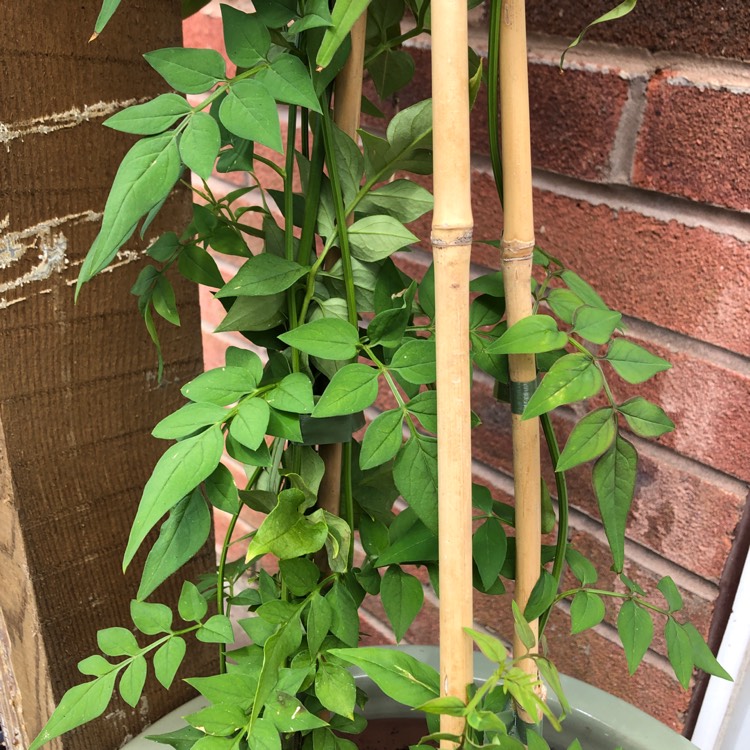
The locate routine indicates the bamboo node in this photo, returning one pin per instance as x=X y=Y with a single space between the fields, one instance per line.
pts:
x=465 y=238
x=514 y=250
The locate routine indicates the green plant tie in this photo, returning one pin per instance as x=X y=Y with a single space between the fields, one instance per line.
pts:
x=520 y=395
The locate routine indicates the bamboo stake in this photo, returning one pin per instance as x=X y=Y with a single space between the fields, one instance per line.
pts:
x=346 y=109
x=451 y=241
x=518 y=248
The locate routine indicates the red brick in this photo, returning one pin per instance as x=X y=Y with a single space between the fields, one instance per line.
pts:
x=574 y=117
x=205 y=32
x=684 y=517
x=722 y=31
x=678 y=154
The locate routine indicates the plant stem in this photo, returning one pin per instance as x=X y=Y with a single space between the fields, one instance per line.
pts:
x=493 y=85
x=341 y=226
x=289 y=222
x=562 y=503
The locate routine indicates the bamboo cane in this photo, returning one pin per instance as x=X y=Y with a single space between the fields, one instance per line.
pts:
x=518 y=247
x=451 y=241
x=346 y=109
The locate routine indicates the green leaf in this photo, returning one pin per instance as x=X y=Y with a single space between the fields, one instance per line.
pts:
x=489 y=546
x=192 y=605
x=151 y=618
x=344 y=15
x=679 y=651
x=132 y=681
x=644 y=418
x=390 y=71
x=300 y=575
x=535 y=741
x=191 y=71
x=288 y=80
x=424 y=407
x=181 y=536
x=107 y=11
x=254 y=314
x=328 y=338
x=286 y=532
x=702 y=654
x=179 y=470
x=293 y=394
x=334 y=688
x=633 y=363
x=415 y=475
x=217 y=629
x=523 y=631
x=414 y=361
x=374 y=238
x=163 y=300
x=531 y=335
x=416 y=544
x=580 y=567
x=276 y=13
x=596 y=325
x=197 y=265
x=564 y=303
x=95 y=666
x=583 y=290
x=586 y=611
x=573 y=377
x=617 y=12
x=589 y=438
x=670 y=592
x=144 y=179
x=185 y=738
x=491 y=647
x=614 y=478
x=636 y=631
x=249 y=424
x=289 y=715
x=449 y=705
x=403 y=199
x=234 y=688
x=399 y=675
x=221 y=490
x=219 y=720
x=382 y=439
x=541 y=597
x=246 y=38
x=167 y=660
x=345 y=618
x=187 y=420
x=79 y=705
x=263 y=274
x=402 y=596
x=222 y=386
x=151 y=117
x=319 y=620
x=353 y=388
x=117 y=642
x=200 y=143
x=249 y=111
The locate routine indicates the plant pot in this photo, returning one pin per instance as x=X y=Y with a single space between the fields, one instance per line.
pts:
x=599 y=720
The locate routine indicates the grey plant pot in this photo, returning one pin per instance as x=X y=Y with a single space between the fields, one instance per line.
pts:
x=599 y=720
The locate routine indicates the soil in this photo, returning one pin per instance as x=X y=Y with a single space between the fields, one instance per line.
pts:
x=391 y=734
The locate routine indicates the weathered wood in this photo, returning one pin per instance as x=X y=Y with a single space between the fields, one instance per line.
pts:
x=78 y=391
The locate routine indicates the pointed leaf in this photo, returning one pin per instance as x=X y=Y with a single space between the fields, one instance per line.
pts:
x=167 y=660
x=402 y=596
x=353 y=388
x=596 y=325
x=679 y=651
x=586 y=611
x=246 y=37
x=415 y=475
x=178 y=472
x=489 y=546
x=151 y=117
x=262 y=275
x=531 y=335
x=702 y=654
x=614 y=478
x=200 y=143
x=634 y=363
x=382 y=440
x=374 y=238
x=574 y=377
x=288 y=80
x=249 y=111
x=644 y=418
x=636 y=631
x=328 y=338
x=191 y=71
x=589 y=438
x=132 y=681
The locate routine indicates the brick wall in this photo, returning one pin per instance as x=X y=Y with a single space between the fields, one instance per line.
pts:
x=642 y=185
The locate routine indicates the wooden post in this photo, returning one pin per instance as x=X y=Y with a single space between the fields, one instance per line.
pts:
x=518 y=248
x=451 y=241
x=78 y=390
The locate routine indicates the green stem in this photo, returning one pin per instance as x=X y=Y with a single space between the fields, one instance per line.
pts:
x=312 y=197
x=493 y=72
x=341 y=227
x=289 y=222
x=222 y=565
x=562 y=501
x=614 y=595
